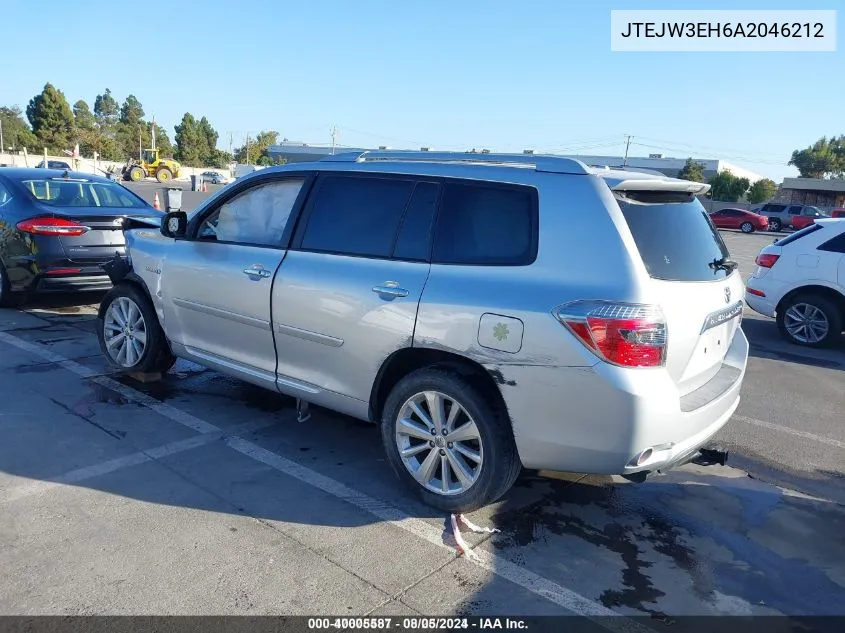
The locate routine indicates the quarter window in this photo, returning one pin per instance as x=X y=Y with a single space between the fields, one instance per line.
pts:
x=835 y=244
x=258 y=216
x=483 y=225
x=356 y=215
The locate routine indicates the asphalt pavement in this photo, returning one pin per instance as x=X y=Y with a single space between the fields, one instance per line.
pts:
x=789 y=427
x=200 y=494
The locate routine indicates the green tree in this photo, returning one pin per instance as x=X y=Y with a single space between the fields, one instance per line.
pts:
x=762 y=190
x=693 y=171
x=220 y=159
x=131 y=112
x=16 y=132
x=196 y=143
x=51 y=118
x=83 y=118
x=255 y=148
x=824 y=158
x=163 y=144
x=106 y=110
x=191 y=143
x=725 y=187
x=131 y=127
x=85 y=125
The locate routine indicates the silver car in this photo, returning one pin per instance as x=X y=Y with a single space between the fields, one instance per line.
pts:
x=489 y=312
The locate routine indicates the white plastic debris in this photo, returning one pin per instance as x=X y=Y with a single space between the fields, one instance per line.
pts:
x=463 y=548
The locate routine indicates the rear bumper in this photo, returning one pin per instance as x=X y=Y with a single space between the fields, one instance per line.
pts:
x=763 y=305
x=600 y=419
x=82 y=283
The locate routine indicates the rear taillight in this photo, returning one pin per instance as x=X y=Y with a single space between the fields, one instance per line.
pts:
x=52 y=226
x=626 y=334
x=767 y=260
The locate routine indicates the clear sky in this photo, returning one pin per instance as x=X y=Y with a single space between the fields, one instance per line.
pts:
x=451 y=74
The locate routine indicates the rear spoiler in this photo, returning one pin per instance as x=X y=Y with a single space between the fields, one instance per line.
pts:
x=667 y=185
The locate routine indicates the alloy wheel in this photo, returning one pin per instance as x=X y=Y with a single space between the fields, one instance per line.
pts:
x=439 y=443
x=806 y=323
x=125 y=332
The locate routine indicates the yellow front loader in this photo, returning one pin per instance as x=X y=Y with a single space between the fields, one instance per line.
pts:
x=164 y=169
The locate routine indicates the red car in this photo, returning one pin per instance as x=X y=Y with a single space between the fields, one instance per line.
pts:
x=745 y=221
x=804 y=220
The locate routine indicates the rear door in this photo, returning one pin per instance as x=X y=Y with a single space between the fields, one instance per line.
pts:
x=346 y=296
x=686 y=260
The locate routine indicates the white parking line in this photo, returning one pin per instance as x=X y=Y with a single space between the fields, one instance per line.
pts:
x=119 y=463
x=785 y=429
x=172 y=413
x=539 y=585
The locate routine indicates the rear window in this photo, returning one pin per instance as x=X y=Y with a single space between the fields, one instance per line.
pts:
x=677 y=240
x=71 y=193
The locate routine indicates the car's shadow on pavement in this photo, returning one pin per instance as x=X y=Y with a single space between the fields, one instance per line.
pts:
x=694 y=541
x=765 y=341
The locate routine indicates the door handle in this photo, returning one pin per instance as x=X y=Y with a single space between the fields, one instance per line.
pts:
x=391 y=289
x=257 y=272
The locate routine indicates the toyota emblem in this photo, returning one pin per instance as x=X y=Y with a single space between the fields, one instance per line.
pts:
x=727 y=295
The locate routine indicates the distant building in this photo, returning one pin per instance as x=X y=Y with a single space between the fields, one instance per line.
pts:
x=302 y=152
x=825 y=194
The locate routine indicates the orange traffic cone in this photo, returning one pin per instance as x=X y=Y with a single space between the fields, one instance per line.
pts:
x=156 y=203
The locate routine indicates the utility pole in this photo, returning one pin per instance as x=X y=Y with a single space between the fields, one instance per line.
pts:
x=153 y=134
x=334 y=137
x=627 y=145
x=230 y=145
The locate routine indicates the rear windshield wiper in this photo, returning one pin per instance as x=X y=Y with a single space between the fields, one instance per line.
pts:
x=724 y=264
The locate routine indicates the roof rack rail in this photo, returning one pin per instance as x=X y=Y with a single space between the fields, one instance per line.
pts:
x=640 y=170
x=545 y=163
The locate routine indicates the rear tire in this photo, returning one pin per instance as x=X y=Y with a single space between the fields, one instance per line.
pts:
x=746 y=227
x=810 y=320
x=489 y=462
x=164 y=175
x=129 y=333
x=775 y=224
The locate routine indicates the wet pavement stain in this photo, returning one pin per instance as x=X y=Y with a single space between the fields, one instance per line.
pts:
x=83 y=415
x=709 y=537
x=211 y=384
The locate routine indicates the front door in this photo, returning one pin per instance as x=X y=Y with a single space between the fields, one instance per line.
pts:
x=217 y=283
x=346 y=296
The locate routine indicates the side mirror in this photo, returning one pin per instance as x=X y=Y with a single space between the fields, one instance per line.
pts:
x=174 y=224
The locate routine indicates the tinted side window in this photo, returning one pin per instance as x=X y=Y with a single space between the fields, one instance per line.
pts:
x=795 y=209
x=486 y=225
x=773 y=208
x=357 y=215
x=414 y=240
x=834 y=245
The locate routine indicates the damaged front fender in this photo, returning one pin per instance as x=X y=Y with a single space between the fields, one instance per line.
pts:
x=118 y=268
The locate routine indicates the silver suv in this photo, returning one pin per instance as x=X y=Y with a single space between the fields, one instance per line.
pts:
x=489 y=312
x=780 y=215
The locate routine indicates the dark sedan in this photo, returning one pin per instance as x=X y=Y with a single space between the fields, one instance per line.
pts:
x=57 y=227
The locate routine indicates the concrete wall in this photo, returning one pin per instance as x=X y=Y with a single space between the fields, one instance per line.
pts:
x=90 y=166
